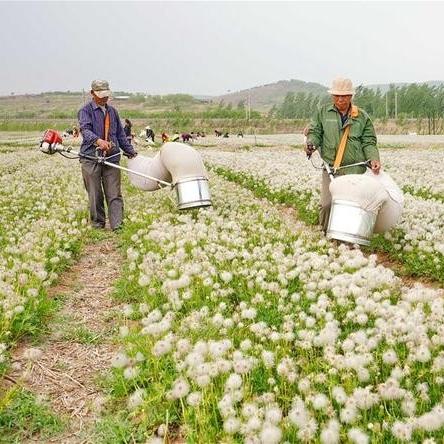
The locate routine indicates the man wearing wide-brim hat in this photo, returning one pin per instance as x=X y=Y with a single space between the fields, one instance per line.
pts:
x=326 y=130
x=102 y=132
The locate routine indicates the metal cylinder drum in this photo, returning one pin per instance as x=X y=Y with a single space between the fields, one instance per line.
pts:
x=193 y=192
x=350 y=223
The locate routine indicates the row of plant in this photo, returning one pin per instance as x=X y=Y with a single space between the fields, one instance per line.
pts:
x=237 y=328
x=286 y=177
x=42 y=225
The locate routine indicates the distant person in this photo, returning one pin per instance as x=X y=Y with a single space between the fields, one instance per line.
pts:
x=328 y=126
x=217 y=133
x=175 y=137
x=128 y=130
x=102 y=131
x=186 y=137
x=240 y=134
x=165 y=137
x=226 y=135
x=149 y=134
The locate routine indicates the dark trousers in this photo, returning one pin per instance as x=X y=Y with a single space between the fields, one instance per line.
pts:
x=103 y=180
x=324 y=213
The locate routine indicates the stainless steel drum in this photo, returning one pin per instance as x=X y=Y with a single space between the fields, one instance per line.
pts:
x=350 y=223
x=193 y=192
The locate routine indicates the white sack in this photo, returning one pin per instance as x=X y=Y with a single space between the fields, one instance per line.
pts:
x=391 y=211
x=389 y=184
x=361 y=189
x=151 y=167
x=182 y=161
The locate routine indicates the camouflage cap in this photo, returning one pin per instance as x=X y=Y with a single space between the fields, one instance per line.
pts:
x=100 y=88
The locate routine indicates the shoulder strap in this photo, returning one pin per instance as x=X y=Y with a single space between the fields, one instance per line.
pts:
x=106 y=125
x=354 y=112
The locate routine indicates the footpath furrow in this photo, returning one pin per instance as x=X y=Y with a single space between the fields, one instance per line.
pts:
x=63 y=370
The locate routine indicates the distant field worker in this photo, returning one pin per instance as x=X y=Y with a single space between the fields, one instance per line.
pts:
x=102 y=130
x=333 y=123
x=149 y=134
x=165 y=137
x=128 y=130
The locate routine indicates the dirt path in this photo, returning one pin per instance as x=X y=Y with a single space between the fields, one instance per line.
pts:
x=79 y=346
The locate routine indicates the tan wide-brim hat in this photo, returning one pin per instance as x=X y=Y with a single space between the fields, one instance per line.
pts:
x=100 y=88
x=341 y=87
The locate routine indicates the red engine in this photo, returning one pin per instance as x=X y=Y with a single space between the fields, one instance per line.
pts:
x=52 y=137
x=51 y=143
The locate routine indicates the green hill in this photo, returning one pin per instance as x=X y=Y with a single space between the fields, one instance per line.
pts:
x=265 y=96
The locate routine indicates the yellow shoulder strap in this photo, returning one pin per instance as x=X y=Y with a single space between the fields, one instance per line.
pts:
x=107 y=125
x=341 y=149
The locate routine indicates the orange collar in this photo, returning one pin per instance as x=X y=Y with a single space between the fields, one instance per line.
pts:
x=354 y=112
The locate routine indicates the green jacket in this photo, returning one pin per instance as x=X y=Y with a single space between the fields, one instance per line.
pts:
x=325 y=132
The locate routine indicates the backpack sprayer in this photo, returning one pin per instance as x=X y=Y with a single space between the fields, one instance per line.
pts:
x=191 y=192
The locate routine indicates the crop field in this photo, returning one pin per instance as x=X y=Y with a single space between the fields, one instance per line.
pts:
x=239 y=323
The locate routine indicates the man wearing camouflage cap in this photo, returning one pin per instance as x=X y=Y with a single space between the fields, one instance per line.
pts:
x=102 y=131
x=326 y=131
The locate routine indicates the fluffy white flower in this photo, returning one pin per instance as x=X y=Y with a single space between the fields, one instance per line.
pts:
x=304 y=385
x=330 y=433
x=320 y=401
x=268 y=358
x=130 y=372
x=226 y=276
x=339 y=395
x=402 y=431
x=120 y=360
x=357 y=436
x=136 y=399
x=273 y=415
x=194 y=399
x=270 y=434
x=180 y=388
x=233 y=382
x=231 y=425
x=390 y=357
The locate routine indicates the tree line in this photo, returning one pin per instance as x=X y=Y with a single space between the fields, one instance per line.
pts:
x=412 y=101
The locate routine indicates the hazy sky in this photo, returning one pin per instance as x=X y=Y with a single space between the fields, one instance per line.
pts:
x=213 y=47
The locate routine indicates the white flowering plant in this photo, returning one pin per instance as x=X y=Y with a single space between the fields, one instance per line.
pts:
x=42 y=226
x=238 y=329
x=286 y=177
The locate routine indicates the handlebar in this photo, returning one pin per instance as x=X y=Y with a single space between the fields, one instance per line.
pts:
x=333 y=171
